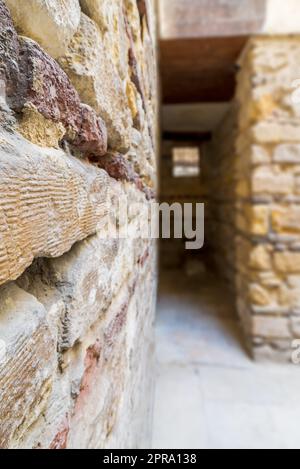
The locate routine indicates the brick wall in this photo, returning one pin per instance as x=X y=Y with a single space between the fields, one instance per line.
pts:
x=78 y=132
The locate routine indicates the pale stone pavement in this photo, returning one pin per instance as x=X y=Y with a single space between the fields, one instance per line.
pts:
x=209 y=394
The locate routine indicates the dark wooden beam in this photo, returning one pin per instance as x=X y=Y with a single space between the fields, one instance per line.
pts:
x=199 y=70
x=187 y=137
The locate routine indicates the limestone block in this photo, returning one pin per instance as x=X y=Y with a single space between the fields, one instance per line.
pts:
x=48 y=202
x=52 y=94
x=273 y=352
x=290 y=297
x=258 y=219
x=287 y=262
x=86 y=279
x=270 y=327
x=102 y=384
x=274 y=132
x=39 y=130
x=272 y=180
x=260 y=258
x=286 y=219
x=9 y=53
x=102 y=395
x=109 y=17
x=259 y=155
x=89 y=67
x=259 y=296
x=34 y=83
x=52 y=23
x=268 y=279
x=294 y=281
x=27 y=365
x=287 y=154
x=295 y=327
x=116 y=387
x=297 y=184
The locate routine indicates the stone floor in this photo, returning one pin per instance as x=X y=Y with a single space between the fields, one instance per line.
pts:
x=209 y=393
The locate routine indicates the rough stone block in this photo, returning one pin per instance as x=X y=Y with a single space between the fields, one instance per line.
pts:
x=51 y=23
x=273 y=181
x=258 y=219
x=27 y=365
x=287 y=154
x=48 y=202
x=290 y=297
x=287 y=262
x=286 y=219
x=259 y=155
x=85 y=280
x=274 y=132
x=51 y=93
x=90 y=69
x=259 y=296
x=34 y=83
x=260 y=258
x=116 y=384
x=110 y=19
x=9 y=52
x=297 y=184
x=271 y=327
x=295 y=326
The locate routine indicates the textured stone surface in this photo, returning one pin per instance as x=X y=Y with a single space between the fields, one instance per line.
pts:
x=52 y=23
x=85 y=280
x=34 y=81
x=48 y=202
x=89 y=67
x=109 y=17
x=50 y=91
x=101 y=397
x=77 y=296
x=9 y=52
x=123 y=170
x=28 y=364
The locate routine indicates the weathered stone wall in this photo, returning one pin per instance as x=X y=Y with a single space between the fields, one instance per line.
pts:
x=78 y=132
x=218 y=179
x=269 y=164
x=256 y=165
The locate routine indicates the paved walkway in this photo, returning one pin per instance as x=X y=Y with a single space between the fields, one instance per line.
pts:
x=209 y=393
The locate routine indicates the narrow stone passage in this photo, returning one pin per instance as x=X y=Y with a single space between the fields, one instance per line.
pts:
x=209 y=393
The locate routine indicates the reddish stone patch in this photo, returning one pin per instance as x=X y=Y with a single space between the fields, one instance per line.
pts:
x=60 y=440
x=143 y=259
x=142 y=7
x=116 y=325
x=122 y=170
x=91 y=363
x=33 y=77
x=9 y=51
x=101 y=349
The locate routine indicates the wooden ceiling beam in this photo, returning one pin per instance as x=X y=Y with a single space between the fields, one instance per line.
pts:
x=199 y=70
